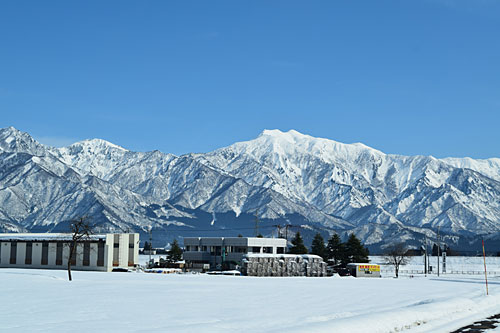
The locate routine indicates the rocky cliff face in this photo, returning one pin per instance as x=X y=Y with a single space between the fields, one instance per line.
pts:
x=283 y=178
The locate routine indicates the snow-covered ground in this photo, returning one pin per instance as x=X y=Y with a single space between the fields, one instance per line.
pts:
x=454 y=265
x=43 y=300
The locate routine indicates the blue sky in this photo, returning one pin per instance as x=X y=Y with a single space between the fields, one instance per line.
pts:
x=405 y=77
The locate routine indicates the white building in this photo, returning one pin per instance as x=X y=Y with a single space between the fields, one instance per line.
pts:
x=201 y=252
x=51 y=251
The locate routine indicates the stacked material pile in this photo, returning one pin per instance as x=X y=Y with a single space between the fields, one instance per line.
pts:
x=283 y=265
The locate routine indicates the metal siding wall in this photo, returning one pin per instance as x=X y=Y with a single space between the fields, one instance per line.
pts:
x=79 y=255
x=123 y=250
x=21 y=253
x=108 y=252
x=65 y=254
x=37 y=248
x=36 y=258
x=136 y=249
x=52 y=254
x=5 y=253
x=93 y=254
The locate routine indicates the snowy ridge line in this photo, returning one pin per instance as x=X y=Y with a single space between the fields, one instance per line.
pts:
x=284 y=177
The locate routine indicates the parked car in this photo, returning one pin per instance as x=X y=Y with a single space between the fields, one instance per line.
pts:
x=342 y=271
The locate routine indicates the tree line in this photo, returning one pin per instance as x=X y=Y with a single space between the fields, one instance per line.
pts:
x=334 y=252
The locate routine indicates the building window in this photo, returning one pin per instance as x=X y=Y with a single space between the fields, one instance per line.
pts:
x=131 y=241
x=267 y=249
x=29 y=253
x=59 y=251
x=45 y=253
x=13 y=253
x=75 y=253
x=100 y=254
x=240 y=249
x=86 y=254
x=215 y=250
x=255 y=249
x=116 y=251
x=131 y=250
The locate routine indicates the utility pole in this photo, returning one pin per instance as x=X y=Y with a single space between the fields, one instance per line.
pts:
x=256 y=223
x=485 y=274
x=150 y=243
x=425 y=257
x=279 y=230
x=439 y=248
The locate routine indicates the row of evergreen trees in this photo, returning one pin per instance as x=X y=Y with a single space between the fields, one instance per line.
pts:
x=335 y=251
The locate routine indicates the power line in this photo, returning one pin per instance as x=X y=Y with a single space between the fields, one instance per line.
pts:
x=222 y=229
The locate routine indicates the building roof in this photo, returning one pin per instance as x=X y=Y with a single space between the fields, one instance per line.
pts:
x=269 y=255
x=230 y=238
x=234 y=241
x=24 y=237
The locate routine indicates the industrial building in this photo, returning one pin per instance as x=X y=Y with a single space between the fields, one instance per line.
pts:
x=216 y=252
x=51 y=251
x=364 y=270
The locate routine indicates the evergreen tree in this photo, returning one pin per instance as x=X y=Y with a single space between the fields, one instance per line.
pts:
x=298 y=245
x=175 y=252
x=355 y=251
x=318 y=246
x=147 y=246
x=336 y=250
x=435 y=250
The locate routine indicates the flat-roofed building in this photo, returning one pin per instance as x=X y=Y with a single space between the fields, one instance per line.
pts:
x=51 y=251
x=212 y=252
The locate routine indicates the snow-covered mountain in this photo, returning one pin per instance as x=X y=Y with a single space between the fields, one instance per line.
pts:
x=281 y=177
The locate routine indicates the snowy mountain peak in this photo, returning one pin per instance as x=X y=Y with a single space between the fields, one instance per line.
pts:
x=290 y=135
x=13 y=140
x=96 y=144
x=295 y=143
x=285 y=176
x=95 y=156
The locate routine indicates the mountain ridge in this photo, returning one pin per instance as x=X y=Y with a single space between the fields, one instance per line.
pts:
x=283 y=177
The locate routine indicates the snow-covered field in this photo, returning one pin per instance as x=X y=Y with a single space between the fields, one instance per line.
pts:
x=454 y=265
x=43 y=300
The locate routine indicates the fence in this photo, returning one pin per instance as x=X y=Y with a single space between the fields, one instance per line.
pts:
x=414 y=271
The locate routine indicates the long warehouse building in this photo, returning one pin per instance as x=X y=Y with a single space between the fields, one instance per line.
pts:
x=51 y=251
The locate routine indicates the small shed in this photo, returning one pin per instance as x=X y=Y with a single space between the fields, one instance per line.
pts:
x=364 y=270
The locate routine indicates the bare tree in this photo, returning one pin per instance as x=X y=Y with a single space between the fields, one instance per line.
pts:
x=80 y=230
x=396 y=256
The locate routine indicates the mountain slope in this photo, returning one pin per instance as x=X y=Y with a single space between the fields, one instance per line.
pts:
x=283 y=177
